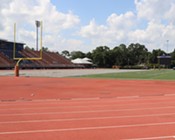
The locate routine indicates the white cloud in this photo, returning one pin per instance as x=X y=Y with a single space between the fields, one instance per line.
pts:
x=126 y=28
x=92 y=30
x=122 y=22
x=62 y=43
x=25 y=12
x=153 y=9
x=160 y=26
x=170 y=14
x=60 y=29
x=113 y=31
x=150 y=34
x=155 y=36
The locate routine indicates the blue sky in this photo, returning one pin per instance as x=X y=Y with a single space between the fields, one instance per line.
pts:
x=83 y=25
x=97 y=9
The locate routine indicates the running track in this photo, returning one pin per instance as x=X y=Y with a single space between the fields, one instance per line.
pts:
x=111 y=109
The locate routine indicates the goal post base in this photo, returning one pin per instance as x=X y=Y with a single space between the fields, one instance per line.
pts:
x=16 y=71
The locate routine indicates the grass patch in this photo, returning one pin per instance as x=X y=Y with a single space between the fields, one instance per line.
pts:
x=150 y=74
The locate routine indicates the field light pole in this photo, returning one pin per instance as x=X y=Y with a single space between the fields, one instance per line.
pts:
x=37 y=26
x=167 y=45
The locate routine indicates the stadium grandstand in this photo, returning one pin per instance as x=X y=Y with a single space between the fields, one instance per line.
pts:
x=50 y=60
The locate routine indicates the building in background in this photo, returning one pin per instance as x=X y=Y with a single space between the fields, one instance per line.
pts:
x=164 y=60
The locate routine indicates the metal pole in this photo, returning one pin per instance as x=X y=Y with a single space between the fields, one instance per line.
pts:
x=37 y=26
x=167 y=46
x=41 y=47
x=14 y=45
x=36 y=38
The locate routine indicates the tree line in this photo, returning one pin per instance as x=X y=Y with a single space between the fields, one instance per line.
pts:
x=134 y=55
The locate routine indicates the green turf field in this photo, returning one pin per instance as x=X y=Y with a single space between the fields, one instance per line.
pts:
x=149 y=74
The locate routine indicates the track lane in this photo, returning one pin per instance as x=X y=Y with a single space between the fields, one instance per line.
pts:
x=107 y=110
x=87 y=133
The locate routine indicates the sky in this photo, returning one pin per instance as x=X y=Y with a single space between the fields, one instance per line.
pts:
x=83 y=25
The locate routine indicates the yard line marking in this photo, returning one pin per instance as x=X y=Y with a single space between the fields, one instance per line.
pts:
x=152 y=138
x=92 y=118
x=92 y=111
x=85 y=128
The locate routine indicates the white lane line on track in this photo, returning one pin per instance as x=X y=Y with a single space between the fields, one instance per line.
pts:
x=80 y=106
x=86 y=128
x=92 y=118
x=91 y=111
x=93 y=98
x=169 y=94
x=105 y=100
x=82 y=99
x=152 y=138
x=127 y=97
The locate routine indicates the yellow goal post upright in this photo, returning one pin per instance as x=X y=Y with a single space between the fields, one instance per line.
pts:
x=26 y=58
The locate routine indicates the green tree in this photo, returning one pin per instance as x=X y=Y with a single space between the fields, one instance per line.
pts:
x=89 y=55
x=28 y=48
x=45 y=49
x=102 y=56
x=65 y=53
x=173 y=58
x=153 y=57
x=120 y=55
x=138 y=54
x=77 y=54
x=173 y=55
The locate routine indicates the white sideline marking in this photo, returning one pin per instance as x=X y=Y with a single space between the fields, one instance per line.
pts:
x=85 y=128
x=92 y=118
x=92 y=111
x=152 y=138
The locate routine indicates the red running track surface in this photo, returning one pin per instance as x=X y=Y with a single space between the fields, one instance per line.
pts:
x=24 y=88
x=86 y=109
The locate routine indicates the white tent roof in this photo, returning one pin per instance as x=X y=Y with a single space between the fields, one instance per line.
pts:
x=80 y=61
x=87 y=59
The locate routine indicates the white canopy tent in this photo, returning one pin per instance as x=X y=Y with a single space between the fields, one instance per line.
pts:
x=85 y=61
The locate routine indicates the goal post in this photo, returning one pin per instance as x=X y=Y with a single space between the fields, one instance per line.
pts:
x=19 y=59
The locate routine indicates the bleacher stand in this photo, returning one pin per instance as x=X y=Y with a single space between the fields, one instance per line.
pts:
x=50 y=60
